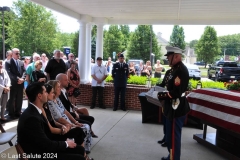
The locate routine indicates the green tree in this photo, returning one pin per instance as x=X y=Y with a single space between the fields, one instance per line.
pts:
x=177 y=37
x=126 y=33
x=64 y=39
x=8 y=17
x=139 y=44
x=33 y=29
x=113 y=41
x=207 y=47
x=94 y=31
x=193 y=43
x=75 y=43
x=230 y=44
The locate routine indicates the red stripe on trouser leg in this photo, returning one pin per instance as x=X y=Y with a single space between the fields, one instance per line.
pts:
x=173 y=138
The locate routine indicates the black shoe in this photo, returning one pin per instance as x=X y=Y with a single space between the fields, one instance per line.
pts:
x=87 y=152
x=103 y=107
x=123 y=109
x=164 y=158
x=164 y=144
x=161 y=141
x=114 y=109
x=92 y=107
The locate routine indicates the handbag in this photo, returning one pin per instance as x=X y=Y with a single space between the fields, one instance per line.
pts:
x=76 y=92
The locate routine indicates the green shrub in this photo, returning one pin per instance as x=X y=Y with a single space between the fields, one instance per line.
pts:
x=207 y=84
x=137 y=80
x=192 y=83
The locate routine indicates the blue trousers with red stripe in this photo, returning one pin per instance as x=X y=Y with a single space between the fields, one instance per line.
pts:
x=173 y=136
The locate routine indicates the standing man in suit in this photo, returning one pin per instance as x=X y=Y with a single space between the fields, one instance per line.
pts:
x=16 y=71
x=120 y=73
x=34 y=133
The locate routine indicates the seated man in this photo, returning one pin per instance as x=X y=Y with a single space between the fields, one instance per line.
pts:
x=81 y=114
x=33 y=130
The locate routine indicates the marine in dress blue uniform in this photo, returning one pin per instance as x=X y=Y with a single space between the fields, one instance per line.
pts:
x=120 y=73
x=176 y=106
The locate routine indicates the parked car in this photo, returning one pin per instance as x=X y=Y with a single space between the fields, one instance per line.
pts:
x=136 y=61
x=224 y=71
x=200 y=63
x=193 y=71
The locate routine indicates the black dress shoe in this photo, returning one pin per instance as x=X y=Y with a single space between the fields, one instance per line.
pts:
x=161 y=141
x=123 y=109
x=164 y=158
x=164 y=144
x=114 y=109
x=92 y=107
x=103 y=107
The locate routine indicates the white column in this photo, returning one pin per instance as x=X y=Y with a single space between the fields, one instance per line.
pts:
x=82 y=52
x=88 y=52
x=99 y=41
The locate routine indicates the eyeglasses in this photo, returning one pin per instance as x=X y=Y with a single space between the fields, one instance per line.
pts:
x=17 y=53
x=71 y=56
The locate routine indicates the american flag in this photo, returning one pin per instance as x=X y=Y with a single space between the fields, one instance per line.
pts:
x=220 y=107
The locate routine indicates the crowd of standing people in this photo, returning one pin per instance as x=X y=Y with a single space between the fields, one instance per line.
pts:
x=52 y=88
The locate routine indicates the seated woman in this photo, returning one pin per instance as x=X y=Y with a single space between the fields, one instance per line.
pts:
x=38 y=75
x=80 y=114
x=61 y=132
x=61 y=115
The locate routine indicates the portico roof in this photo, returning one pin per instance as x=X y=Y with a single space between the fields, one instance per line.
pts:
x=206 y=12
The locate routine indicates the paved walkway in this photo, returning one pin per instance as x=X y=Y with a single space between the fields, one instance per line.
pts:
x=123 y=136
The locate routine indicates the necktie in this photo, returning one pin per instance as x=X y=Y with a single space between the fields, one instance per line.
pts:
x=17 y=65
x=121 y=65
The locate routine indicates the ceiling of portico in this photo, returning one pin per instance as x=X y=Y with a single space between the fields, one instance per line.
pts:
x=206 y=12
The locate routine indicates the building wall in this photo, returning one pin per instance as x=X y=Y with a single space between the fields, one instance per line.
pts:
x=132 y=92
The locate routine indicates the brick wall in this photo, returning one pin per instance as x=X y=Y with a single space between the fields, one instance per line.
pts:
x=132 y=92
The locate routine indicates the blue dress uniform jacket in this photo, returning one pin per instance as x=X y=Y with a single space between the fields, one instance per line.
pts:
x=120 y=74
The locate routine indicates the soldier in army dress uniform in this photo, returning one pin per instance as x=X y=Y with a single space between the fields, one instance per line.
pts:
x=176 y=106
x=120 y=73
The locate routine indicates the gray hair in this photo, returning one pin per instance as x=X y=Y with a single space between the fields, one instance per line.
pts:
x=35 y=55
x=56 y=50
x=8 y=52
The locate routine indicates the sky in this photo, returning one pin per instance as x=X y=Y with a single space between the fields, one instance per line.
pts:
x=192 y=32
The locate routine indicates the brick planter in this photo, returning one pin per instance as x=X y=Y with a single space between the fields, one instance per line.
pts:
x=132 y=92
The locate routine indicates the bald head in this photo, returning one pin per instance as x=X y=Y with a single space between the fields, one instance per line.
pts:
x=63 y=79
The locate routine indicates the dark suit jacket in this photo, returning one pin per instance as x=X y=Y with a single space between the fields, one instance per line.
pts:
x=13 y=72
x=33 y=133
x=66 y=103
x=120 y=74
